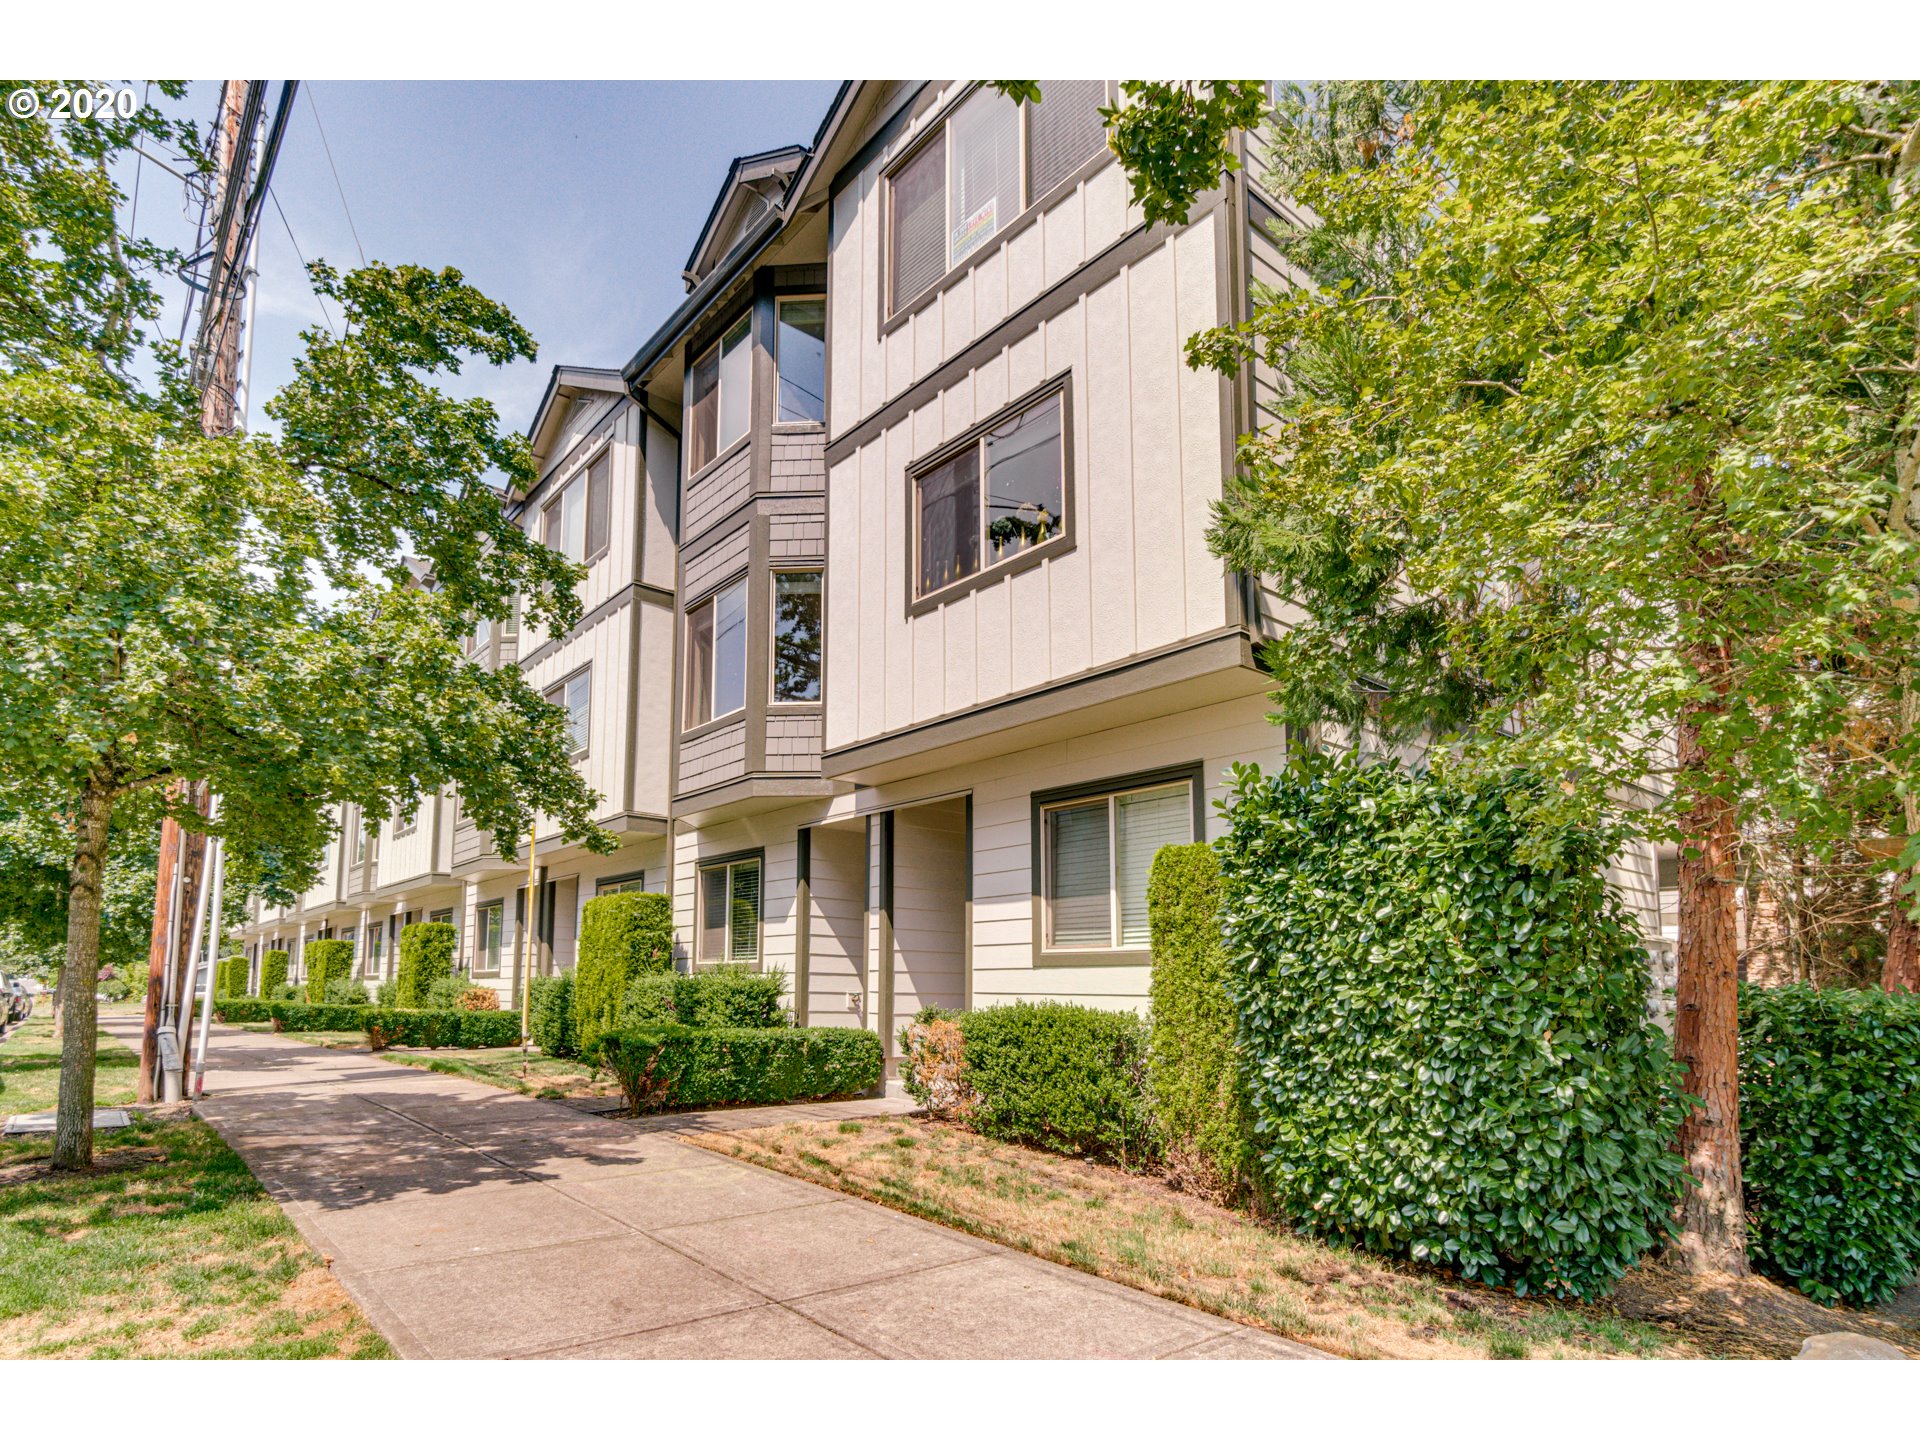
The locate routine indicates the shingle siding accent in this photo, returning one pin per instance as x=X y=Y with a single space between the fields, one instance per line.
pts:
x=797 y=537
x=715 y=563
x=711 y=758
x=793 y=742
x=799 y=460
x=718 y=491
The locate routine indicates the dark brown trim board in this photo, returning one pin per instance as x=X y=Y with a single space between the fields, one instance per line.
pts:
x=802 y=923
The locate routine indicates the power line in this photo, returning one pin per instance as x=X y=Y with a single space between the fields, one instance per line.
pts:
x=340 y=189
x=324 y=315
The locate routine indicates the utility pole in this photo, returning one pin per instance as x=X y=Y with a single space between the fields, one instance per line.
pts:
x=216 y=368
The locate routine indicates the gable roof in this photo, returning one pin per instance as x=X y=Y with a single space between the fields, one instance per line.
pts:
x=755 y=185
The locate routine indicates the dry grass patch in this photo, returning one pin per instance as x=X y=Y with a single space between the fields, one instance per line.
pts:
x=1136 y=1230
x=542 y=1076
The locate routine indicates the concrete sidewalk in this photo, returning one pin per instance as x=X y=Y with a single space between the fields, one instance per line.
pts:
x=470 y=1222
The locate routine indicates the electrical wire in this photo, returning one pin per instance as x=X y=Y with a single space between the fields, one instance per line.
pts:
x=324 y=314
x=339 y=189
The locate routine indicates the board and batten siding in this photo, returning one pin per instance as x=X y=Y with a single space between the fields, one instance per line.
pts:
x=605 y=645
x=1148 y=454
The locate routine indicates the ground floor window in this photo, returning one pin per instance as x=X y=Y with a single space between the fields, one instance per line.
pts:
x=620 y=884
x=730 y=913
x=1096 y=850
x=489 y=932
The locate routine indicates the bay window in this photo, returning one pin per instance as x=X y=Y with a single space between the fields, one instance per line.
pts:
x=574 y=522
x=717 y=655
x=796 y=636
x=800 y=359
x=719 y=388
x=1000 y=493
x=1096 y=851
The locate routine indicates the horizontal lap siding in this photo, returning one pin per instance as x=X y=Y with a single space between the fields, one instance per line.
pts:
x=836 y=962
x=1148 y=455
x=775 y=833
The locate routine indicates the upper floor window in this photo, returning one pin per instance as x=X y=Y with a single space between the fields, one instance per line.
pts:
x=405 y=822
x=575 y=696
x=800 y=355
x=1096 y=854
x=717 y=655
x=730 y=914
x=1000 y=493
x=979 y=169
x=718 y=390
x=796 y=636
x=575 y=521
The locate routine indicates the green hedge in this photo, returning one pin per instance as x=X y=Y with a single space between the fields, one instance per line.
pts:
x=273 y=971
x=1193 y=1065
x=230 y=976
x=240 y=1010
x=426 y=955
x=677 y=1065
x=1062 y=1077
x=1447 y=1048
x=1830 y=1139
x=466 y=1029
x=724 y=999
x=550 y=1014
x=327 y=960
x=621 y=936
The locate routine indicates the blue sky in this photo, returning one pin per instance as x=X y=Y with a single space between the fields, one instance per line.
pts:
x=574 y=204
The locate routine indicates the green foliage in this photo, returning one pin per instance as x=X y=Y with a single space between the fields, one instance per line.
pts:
x=230 y=976
x=621 y=935
x=1447 y=1047
x=345 y=992
x=326 y=961
x=1193 y=1064
x=273 y=972
x=287 y=991
x=1830 y=1134
x=676 y=1065
x=242 y=1010
x=550 y=1014
x=1175 y=138
x=719 y=999
x=1063 y=1077
x=426 y=956
x=434 y=1029
x=384 y=993
x=443 y=994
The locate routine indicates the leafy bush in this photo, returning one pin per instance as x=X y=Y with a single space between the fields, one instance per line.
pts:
x=327 y=961
x=475 y=998
x=345 y=992
x=550 y=1014
x=273 y=972
x=240 y=1010
x=316 y=1017
x=1830 y=1139
x=443 y=994
x=1062 y=1077
x=661 y=1065
x=384 y=992
x=426 y=957
x=621 y=936
x=1446 y=1044
x=933 y=1064
x=1193 y=1058
x=720 y=999
x=286 y=991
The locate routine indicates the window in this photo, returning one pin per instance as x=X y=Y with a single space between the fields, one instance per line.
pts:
x=800 y=355
x=963 y=526
x=575 y=696
x=376 y=948
x=1095 y=855
x=597 y=502
x=565 y=523
x=978 y=171
x=490 y=922
x=717 y=655
x=730 y=913
x=406 y=822
x=796 y=636
x=621 y=884
x=446 y=917
x=717 y=393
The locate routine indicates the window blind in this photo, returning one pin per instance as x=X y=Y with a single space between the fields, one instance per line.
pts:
x=743 y=931
x=1079 y=875
x=713 y=914
x=917 y=222
x=1146 y=821
x=597 y=502
x=1064 y=131
x=984 y=184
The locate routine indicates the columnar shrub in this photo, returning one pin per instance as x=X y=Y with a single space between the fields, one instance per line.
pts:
x=1443 y=1017
x=550 y=1014
x=273 y=972
x=721 y=999
x=426 y=955
x=1193 y=1064
x=1830 y=1139
x=621 y=936
x=327 y=960
x=661 y=1065
x=1063 y=1077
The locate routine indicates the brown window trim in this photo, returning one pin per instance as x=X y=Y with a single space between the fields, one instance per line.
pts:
x=1062 y=384
x=561 y=685
x=1194 y=772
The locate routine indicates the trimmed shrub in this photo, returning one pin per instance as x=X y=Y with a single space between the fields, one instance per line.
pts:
x=443 y=994
x=721 y=999
x=316 y=1017
x=1193 y=1065
x=662 y=1065
x=241 y=1010
x=1443 y=1015
x=345 y=992
x=426 y=956
x=434 y=1029
x=273 y=972
x=288 y=992
x=383 y=993
x=550 y=1014
x=1062 y=1077
x=476 y=998
x=621 y=936
x=933 y=1064
x=1830 y=1139
x=327 y=960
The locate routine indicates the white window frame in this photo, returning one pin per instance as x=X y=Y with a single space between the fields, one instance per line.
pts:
x=727 y=867
x=977 y=442
x=481 y=966
x=1112 y=799
x=773 y=636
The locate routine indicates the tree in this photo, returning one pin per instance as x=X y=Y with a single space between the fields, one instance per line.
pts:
x=165 y=619
x=1573 y=470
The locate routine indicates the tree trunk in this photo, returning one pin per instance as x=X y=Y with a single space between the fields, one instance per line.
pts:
x=60 y=1006
x=1706 y=1032
x=73 y=1122
x=1901 y=970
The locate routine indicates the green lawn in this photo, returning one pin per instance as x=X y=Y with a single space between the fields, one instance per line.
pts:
x=167 y=1248
x=503 y=1067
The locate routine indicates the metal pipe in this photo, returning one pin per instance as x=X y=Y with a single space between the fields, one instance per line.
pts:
x=213 y=953
x=173 y=1082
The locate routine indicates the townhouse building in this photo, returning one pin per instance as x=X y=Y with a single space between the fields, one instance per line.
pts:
x=904 y=649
